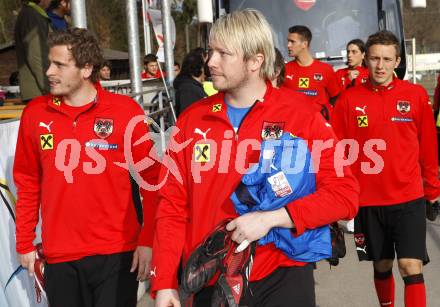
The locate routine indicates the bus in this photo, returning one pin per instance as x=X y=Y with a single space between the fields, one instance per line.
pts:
x=333 y=23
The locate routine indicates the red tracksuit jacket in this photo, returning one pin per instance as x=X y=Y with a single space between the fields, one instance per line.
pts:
x=88 y=210
x=399 y=114
x=317 y=81
x=344 y=80
x=190 y=209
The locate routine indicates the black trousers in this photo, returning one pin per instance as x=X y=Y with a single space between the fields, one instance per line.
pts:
x=285 y=287
x=95 y=281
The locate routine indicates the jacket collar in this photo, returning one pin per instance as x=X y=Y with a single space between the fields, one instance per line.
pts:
x=382 y=88
x=217 y=106
x=56 y=101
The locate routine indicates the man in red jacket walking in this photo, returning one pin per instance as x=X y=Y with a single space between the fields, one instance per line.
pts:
x=71 y=164
x=223 y=134
x=395 y=115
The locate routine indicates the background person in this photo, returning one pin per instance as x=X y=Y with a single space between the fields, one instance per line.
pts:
x=151 y=67
x=356 y=73
x=57 y=12
x=280 y=69
x=202 y=52
x=307 y=75
x=105 y=71
x=188 y=84
x=176 y=68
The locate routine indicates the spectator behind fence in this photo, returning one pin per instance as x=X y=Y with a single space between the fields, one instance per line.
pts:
x=57 y=12
x=188 y=84
x=105 y=71
x=96 y=229
x=151 y=67
x=31 y=30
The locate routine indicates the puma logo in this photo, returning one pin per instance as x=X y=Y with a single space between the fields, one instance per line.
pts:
x=153 y=272
x=46 y=126
x=289 y=77
x=237 y=288
x=203 y=134
x=362 y=249
x=361 y=109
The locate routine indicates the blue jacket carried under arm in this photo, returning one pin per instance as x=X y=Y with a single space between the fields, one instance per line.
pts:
x=284 y=173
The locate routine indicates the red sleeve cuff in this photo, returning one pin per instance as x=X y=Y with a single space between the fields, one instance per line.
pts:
x=293 y=230
x=25 y=249
x=162 y=283
x=431 y=194
x=299 y=225
x=146 y=236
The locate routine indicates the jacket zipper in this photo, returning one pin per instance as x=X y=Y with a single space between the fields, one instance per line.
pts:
x=75 y=120
x=242 y=121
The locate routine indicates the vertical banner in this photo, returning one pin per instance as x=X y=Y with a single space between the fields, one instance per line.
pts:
x=155 y=17
x=17 y=288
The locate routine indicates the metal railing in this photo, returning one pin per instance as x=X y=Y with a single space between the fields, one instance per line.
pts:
x=156 y=102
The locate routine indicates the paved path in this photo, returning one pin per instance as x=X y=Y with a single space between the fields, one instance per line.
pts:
x=350 y=284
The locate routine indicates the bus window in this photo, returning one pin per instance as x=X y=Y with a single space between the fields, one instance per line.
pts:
x=333 y=22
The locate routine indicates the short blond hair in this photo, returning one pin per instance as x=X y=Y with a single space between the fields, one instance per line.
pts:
x=249 y=32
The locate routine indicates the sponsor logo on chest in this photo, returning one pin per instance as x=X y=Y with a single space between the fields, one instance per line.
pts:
x=202 y=151
x=46 y=141
x=362 y=120
x=303 y=82
x=47 y=137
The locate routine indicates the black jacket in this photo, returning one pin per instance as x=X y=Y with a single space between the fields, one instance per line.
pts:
x=188 y=90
